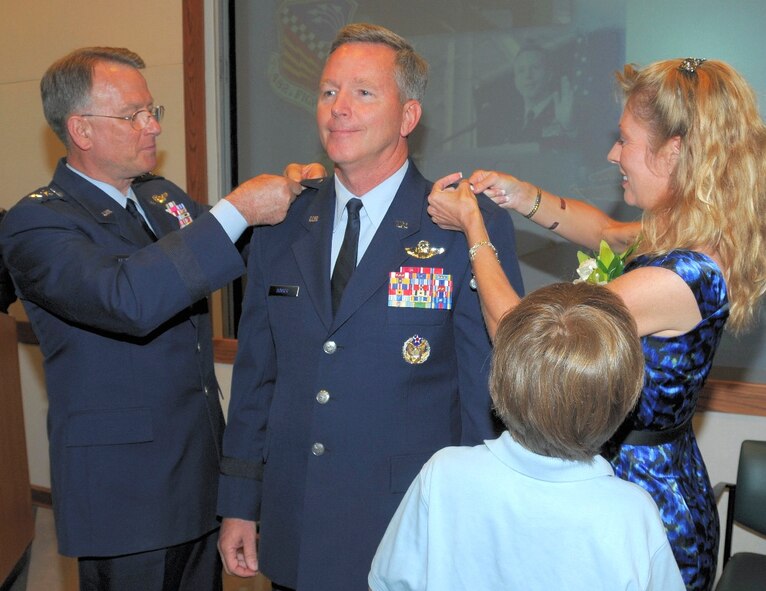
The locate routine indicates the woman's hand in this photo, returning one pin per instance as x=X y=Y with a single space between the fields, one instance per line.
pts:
x=504 y=189
x=453 y=208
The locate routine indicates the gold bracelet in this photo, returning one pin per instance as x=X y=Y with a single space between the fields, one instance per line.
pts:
x=536 y=206
x=475 y=248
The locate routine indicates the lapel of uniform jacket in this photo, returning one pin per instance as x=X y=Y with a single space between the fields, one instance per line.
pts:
x=163 y=222
x=105 y=211
x=312 y=249
x=154 y=206
x=386 y=252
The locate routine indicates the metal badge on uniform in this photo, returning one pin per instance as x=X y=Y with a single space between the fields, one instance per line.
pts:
x=45 y=193
x=161 y=198
x=179 y=211
x=424 y=250
x=420 y=287
x=288 y=291
x=416 y=350
x=313 y=219
x=106 y=213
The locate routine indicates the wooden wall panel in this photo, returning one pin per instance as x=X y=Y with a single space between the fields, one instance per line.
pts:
x=193 y=22
x=16 y=518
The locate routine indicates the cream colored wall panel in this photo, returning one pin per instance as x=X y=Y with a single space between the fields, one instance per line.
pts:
x=166 y=85
x=29 y=149
x=36 y=32
x=223 y=372
x=35 y=414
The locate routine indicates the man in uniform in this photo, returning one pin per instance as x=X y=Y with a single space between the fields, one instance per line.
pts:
x=114 y=267
x=362 y=347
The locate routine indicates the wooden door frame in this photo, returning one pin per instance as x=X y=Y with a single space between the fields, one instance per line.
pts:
x=193 y=39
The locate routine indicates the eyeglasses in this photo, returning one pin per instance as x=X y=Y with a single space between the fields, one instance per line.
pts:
x=138 y=120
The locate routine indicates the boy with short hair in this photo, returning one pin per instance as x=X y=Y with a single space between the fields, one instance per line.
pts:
x=539 y=508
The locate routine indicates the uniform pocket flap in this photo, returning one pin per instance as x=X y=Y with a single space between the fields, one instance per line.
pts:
x=110 y=427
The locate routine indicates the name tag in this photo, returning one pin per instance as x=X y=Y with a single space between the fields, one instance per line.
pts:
x=288 y=291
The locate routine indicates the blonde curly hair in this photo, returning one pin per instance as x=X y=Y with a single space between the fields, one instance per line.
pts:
x=718 y=187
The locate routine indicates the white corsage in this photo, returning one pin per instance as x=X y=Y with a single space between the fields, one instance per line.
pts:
x=601 y=268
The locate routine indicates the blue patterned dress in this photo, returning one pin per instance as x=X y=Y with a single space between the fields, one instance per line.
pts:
x=674 y=473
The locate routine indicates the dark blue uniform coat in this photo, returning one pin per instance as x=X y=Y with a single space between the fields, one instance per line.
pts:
x=134 y=419
x=328 y=422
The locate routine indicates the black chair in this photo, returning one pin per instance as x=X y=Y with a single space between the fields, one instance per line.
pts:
x=746 y=571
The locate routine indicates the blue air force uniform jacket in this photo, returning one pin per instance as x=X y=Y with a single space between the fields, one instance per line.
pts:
x=134 y=419
x=332 y=417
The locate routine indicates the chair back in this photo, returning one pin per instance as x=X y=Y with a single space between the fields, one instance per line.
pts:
x=750 y=503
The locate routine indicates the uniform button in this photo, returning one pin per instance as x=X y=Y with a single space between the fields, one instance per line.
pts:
x=330 y=347
x=199 y=347
x=317 y=449
x=323 y=397
x=206 y=390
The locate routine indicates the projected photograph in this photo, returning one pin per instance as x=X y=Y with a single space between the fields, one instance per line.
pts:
x=512 y=84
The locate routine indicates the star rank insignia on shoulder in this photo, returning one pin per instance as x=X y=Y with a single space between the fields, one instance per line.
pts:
x=313 y=183
x=146 y=177
x=44 y=194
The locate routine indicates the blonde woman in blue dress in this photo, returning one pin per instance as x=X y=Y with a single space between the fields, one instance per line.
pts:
x=691 y=152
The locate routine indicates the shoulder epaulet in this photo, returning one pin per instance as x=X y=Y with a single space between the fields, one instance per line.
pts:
x=313 y=183
x=45 y=194
x=145 y=178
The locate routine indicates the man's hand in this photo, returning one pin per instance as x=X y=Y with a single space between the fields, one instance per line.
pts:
x=265 y=199
x=236 y=545
x=300 y=172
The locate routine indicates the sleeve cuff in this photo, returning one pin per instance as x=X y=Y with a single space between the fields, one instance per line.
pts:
x=232 y=222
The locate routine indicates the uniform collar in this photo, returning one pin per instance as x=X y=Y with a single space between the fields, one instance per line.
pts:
x=110 y=190
x=376 y=201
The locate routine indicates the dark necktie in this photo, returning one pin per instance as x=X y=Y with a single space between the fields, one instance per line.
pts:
x=133 y=210
x=346 y=261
